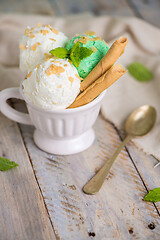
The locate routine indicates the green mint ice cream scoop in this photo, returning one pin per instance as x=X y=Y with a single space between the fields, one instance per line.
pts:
x=99 y=48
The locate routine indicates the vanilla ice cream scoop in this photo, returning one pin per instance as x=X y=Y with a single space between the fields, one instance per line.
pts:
x=53 y=84
x=36 y=44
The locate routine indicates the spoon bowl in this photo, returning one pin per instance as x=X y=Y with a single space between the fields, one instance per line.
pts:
x=141 y=121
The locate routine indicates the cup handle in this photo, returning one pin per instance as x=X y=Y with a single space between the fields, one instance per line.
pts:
x=10 y=112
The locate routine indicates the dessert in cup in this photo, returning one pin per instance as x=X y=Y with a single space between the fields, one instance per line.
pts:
x=63 y=91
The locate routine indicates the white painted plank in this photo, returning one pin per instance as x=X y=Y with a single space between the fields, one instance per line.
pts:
x=145 y=164
x=22 y=211
x=117 y=212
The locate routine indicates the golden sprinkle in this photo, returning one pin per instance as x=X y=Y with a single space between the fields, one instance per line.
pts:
x=54 y=31
x=38 y=43
x=47 y=59
x=76 y=40
x=52 y=39
x=97 y=39
x=94 y=49
x=39 y=25
x=53 y=69
x=38 y=65
x=77 y=76
x=84 y=41
x=34 y=47
x=47 y=55
x=70 y=61
x=89 y=38
x=23 y=47
x=60 y=86
x=53 y=102
x=44 y=32
x=90 y=33
x=47 y=25
x=32 y=29
x=38 y=32
x=71 y=79
x=27 y=31
x=29 y=74
x=55 y=61
x=65 y=65
x=31 y=35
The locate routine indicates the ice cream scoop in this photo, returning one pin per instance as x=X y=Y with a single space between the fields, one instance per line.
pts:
x=98 y=46
x=36 y=43
x=52 y=84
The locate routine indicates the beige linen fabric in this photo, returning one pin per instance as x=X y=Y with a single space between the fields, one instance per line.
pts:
x=125 y=95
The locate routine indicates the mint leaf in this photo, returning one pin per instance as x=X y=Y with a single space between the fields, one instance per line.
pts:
x=140 y=72
x=6 y=164
x=153 y=195
x=75 y=53
x=60 y=52
x=78 y=53
x=85 y=52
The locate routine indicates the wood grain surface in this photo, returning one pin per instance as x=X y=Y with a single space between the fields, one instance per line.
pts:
x=116 y=212
x=42 y=199
x=23 y=215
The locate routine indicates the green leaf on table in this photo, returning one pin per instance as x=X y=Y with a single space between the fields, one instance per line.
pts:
x=140 y=72
x=78 y=53
x=60 y=52
x=153 y=195
x=6 y=164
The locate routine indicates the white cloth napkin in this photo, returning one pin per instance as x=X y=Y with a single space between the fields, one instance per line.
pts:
x=126 y=94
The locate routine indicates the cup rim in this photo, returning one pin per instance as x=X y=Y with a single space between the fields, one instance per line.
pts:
x=68 y=110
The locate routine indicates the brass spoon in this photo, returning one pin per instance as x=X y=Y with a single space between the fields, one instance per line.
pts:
x=138 y=124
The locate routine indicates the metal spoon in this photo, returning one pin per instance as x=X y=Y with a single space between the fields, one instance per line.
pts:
x=138 y=124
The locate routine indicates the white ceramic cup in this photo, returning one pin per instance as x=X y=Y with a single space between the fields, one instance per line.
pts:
x=61 y=132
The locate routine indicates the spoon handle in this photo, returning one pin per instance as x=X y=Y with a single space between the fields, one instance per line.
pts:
x=95 y=184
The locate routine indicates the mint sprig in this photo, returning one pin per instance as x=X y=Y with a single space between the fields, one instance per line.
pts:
x=75 y=54
x=60 y=52
x=153 y=195
x=140 y=72
x=6 y=164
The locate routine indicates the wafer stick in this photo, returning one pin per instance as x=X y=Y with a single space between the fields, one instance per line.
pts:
x=106 y=62
x=102 y=83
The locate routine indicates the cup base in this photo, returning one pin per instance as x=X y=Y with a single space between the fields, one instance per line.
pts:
x=64 y=146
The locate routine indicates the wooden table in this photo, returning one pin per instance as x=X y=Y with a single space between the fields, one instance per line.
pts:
x=42 y=199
